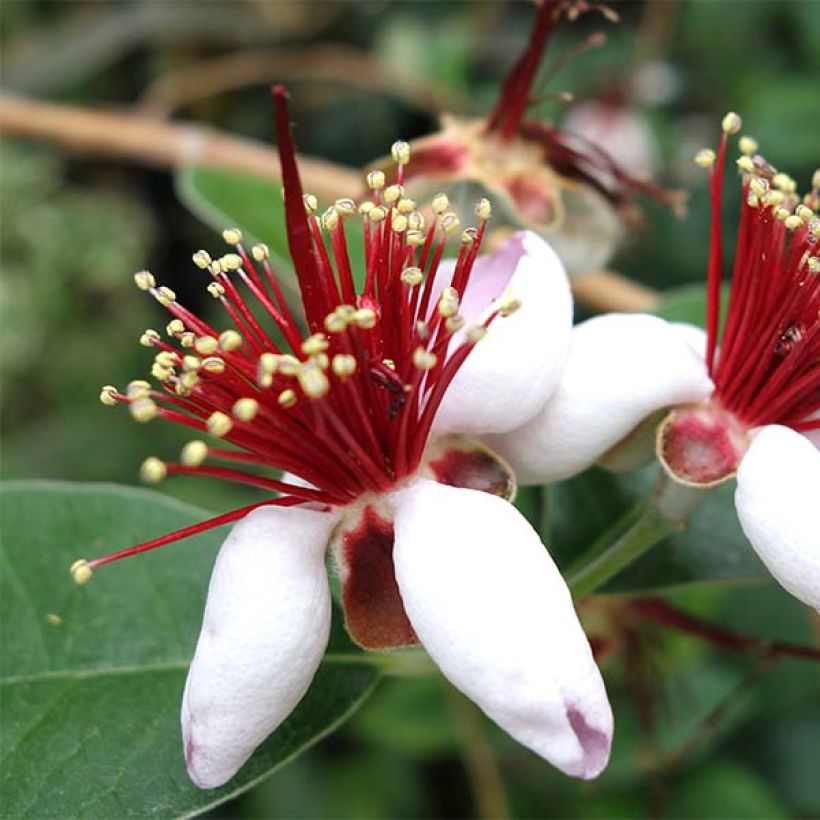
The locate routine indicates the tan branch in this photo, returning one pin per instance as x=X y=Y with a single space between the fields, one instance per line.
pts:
x=606 y=290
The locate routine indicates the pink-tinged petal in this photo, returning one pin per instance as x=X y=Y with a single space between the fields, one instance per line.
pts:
x=512 y=371
x=621 y=368
x=264 y=632
x=778 y=504
x=494 y=613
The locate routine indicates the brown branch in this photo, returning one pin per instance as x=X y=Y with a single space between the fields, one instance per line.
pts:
x=164 y=145
x=606 y=290
x=659 y=611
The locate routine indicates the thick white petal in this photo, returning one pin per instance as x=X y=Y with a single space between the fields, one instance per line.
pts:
x=264 y=632
x=494 y=613
x=778 y=504
x=621 y=368
x=514 y=369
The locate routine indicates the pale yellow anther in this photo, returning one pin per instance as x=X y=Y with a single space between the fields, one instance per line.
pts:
x=804 y=212
x=375 y=180
x=335 y=323
x=745 y=164
x=137 y=388
x=393 y=193
x=347 y=312
x=344 y=365
x=509 y=305
x=233 y=236
x=230 y=262
x=793 y=222
x=216 y=290
x=399 y=223
x=313 y=381
x=422 y=330
x=189 y=379
x=219 y=424
x=758 y=187
x=782 y=214
x=165 y=296
x=412 y=276
x=213 y=364
x=230 y=340
x=144 y=280
x=206 y=345
x=181 y=390
x=483 y=209
x=149 y=338
x=287 y=398
x=814 y=227
x=107 y=394
x=748 y=145
x=424 y=359
x=314 y=344
x=364 y=318
x=415 y=221
x=268 y=362
x=475 y=333
x=190 y=364
x=175 y=327
x=345 y=206
x=448 y=303
x=289 y=365
x=389 y=363
x=160 y=372
x=752 y=200
x=731 y=123
x=406 y=206
x=330 y=219
x=193 y=453
x=153 y=471
x=143 y=409
x=454 y=323
x=783 y=182
x=400 y=151
x=450 y=222
x=202 y=259
x=366 y=207
x=311 y=203
x=774 y=198
x=468 y=236
x=415 y=238
x=377 y=213
x=53 y=618
x=440 y=203
x=245 y=409
x=165 y=358
x=814 y=264
x=260 y=252
x=705 y=158
x=187 y=339
x=81 y=572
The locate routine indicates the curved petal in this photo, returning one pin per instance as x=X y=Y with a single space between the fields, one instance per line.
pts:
x=264 y=632
x=494 y=613
x=777 y=504
x=620 y=369
x=510 y=374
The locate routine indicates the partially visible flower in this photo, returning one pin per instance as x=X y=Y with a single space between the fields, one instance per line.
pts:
x=365 y=417
x=554 y=181
x=746 y=398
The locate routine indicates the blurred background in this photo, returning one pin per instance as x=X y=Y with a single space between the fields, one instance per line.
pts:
x=715 y=735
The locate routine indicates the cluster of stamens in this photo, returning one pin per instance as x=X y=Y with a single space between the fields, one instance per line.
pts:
x=348 y=407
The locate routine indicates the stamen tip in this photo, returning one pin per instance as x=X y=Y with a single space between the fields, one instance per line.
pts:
x=81 y=571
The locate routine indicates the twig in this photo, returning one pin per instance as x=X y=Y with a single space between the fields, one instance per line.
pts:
x=606 y=290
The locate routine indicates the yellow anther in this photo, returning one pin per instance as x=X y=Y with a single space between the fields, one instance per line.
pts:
x=483 y=209
x=377 y=214
x=144 y=280
x=774 y=198
x=753 y=200
x=468 y=236
x=475 y=333
x=190 y=364
x=213 y=364
x=137 y=388
x=814 y=227
x=424 y=359
x=366 y=207
x=165 y=358
x=215 y=268
x=345 y=206
x=389 y=363
x=406 y=206
x=233 y=236
x=289 y=365
x=335 y=323
x=782 y=214
x=705 y=158
x=815 y=179
x=245 y=409
x=400 y=151
x=748 y=145
x=758 y=187
x=268 y=362
x=448 y=303
x=422 y=330
x=412 y=276
x=231 y=261
x=450 y=222
x=731 y=123
x=143 y=409
x=393 y=193
x=193 y=453
x=783 y=182
x=399 y=223
x=149 y=338
x=187 y=339
x=189 y=380
x=175 y=327
x=165 y=296
x=206 y=345
x=230 y=340
x=814 y=264
x=202 y=259
x=745 y=164
x=153 y=471
x=415 y=238
x=311 y=203
x=160 y=372
x=454 y=323
x=287 y=398
x=53 y=618
x=440 y=203
x=416 y=221
x=314 y=344
x=793 y=222
x=216 y=290
x=260 y=252
x=375 y=180
x=219 y=424
x=347 y=312
x=509 y=305
x=81 y=572
x=344 y=365
x=364 y=318
x=804 y=212
x=107 y=394
x=330 y=219
x=313 y=381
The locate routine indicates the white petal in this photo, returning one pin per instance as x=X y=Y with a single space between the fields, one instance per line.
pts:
x=513 y=370
x=494 y=613
x=621 y=368
x=778 y=504
x=264 y=632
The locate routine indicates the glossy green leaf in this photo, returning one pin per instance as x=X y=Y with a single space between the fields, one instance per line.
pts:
x=91 y=677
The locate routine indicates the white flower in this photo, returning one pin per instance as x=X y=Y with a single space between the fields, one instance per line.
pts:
x=749 y=407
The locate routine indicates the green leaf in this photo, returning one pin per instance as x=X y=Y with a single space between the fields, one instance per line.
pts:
x=712 y=549
x=91 y=696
